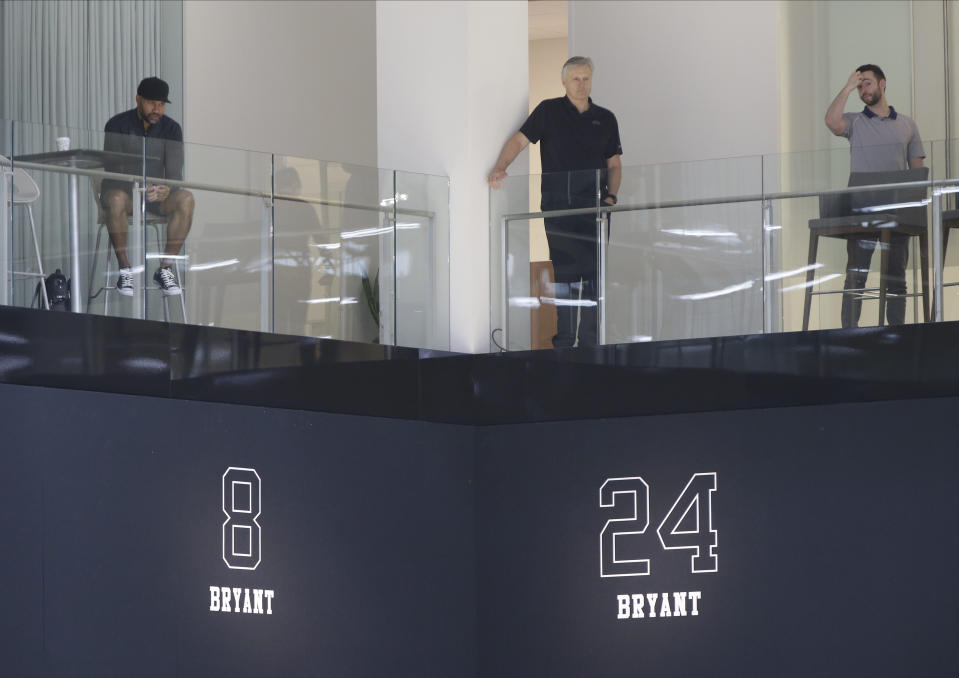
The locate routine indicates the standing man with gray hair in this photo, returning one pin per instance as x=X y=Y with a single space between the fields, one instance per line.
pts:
x=577 y=138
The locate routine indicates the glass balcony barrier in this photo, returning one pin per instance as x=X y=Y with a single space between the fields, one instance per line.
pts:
x=848 y=248
x=144 y=228
x=720 y=247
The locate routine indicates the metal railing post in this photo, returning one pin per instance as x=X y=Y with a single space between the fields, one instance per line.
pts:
x=600 y=290
x=394 y=298
x=601 y=221
x=76 y=274
x=504 y=253
x=267 y=257
x=136 y=251
x=937 y=254
x=769 y=286
x=6 y=174
x=268 y=261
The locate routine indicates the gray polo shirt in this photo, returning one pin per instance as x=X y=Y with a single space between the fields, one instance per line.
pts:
x=879 y=144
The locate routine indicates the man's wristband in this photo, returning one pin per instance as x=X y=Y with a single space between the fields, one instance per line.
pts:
x=612 y=196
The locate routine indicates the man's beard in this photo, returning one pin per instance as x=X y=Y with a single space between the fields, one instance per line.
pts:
x=871 y=100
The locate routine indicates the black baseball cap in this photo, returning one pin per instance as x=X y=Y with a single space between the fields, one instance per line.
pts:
x=154 y=89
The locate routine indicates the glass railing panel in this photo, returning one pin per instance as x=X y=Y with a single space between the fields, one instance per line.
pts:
x=530 y=317
x=681 y=256
x=806 y=174
x=684 y=257
x=944 y=163
x=332 y=248
x=225 y=267
x=511 y=257
x=241 y=258
x=422 y=256
x=6 y=207
x=568 y=287
x=62 y=169
x=824 y=232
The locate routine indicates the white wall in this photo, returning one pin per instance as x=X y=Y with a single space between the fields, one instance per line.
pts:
x=452 y=86
x=546 y=59
x=290 y=78
x=818 y=52
x=171 y=55
x=687 y=80
x=295 y=78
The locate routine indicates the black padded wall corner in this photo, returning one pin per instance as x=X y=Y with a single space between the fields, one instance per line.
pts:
x=837 y=537
x=112 y=511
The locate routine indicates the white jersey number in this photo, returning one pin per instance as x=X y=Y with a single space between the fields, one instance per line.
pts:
x=687 y=525
x=633 y=494
x=241 y=531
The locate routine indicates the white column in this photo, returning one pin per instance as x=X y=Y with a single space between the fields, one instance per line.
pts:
x=452 y=85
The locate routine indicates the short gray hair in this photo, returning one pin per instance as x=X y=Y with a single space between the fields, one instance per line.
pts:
x=577 y=61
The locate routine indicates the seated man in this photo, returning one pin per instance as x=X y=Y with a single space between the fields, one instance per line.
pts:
x=125 y=133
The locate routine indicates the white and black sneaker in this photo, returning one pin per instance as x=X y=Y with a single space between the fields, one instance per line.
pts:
x=167 y=281
x=125 y=282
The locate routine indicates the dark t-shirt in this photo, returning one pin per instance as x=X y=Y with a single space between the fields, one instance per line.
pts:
x=570 y=140
x=164 y=148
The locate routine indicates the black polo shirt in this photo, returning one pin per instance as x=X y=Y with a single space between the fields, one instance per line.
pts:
x=164 y=143
x=570 y=140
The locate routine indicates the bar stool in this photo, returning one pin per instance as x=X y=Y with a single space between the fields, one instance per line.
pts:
x=155 y=221
x=25 y=193
x=950 y=220
x=851 y=215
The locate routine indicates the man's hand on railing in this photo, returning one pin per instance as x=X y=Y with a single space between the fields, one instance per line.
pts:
x=513 y=147
x=495 y=179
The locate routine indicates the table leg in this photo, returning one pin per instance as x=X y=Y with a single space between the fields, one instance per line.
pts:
x=76 y=274
x=136 y=251
x=5 y=225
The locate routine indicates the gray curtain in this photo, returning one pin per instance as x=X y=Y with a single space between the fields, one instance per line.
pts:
x=67 y=67
x=74 y=64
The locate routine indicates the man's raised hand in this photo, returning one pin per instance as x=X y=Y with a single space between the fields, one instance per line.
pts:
x=853 y=82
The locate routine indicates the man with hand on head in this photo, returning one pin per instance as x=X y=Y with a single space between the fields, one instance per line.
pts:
x=576 y=136
x=125 y=133
x=880 y=140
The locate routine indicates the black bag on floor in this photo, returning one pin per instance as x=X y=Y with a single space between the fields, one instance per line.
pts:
x=58 y=291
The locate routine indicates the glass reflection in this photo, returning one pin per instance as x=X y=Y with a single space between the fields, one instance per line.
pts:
x=271 y=244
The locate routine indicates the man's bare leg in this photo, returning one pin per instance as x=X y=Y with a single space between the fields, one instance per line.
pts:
x=178 y=207
x=118 y=207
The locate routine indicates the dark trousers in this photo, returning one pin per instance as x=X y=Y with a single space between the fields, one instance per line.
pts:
x=573 y=251
x=575 y=305
x=858 y=257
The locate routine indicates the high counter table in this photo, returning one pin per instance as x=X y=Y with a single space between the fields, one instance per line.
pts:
x=81 y=159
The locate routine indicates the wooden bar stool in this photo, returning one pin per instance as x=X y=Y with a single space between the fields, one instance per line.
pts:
x=878 y=215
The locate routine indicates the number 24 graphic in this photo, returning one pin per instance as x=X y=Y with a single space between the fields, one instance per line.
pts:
x=693 y=510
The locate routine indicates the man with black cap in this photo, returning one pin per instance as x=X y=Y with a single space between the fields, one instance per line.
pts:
x=146 y=127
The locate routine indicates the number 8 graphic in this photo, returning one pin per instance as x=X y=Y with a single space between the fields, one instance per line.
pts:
x=241 y=532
